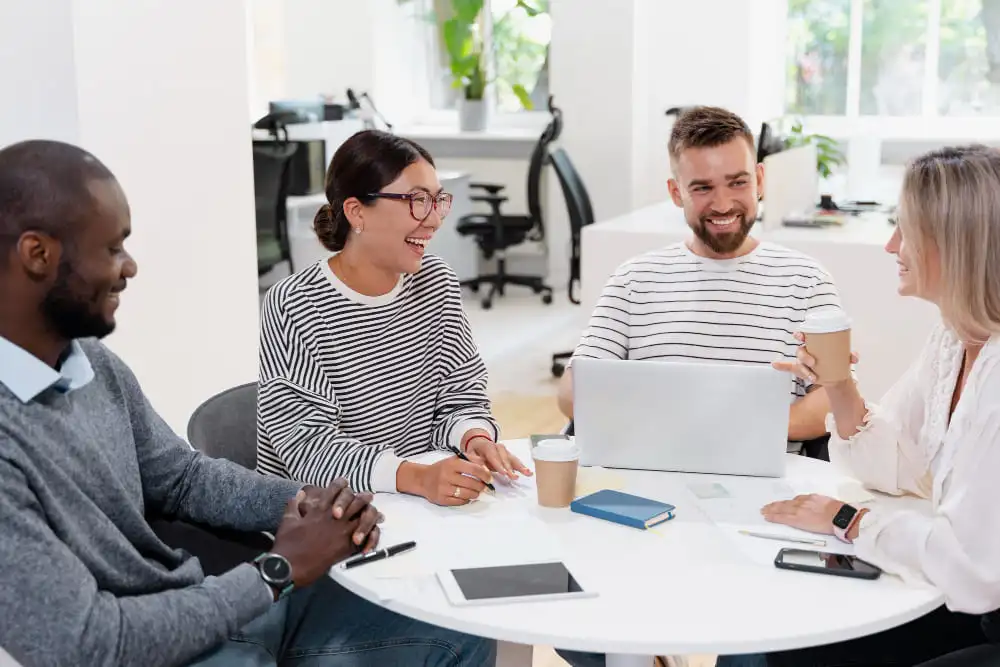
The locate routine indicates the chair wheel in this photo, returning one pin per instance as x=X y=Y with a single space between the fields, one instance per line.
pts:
x=487 y=304
x=557 y=370
x=474 y=287
x=547 y=298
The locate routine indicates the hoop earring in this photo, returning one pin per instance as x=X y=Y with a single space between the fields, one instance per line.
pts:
x=357 y=230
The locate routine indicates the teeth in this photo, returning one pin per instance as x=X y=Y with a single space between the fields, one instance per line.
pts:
x=415 y=241
x=722 y=222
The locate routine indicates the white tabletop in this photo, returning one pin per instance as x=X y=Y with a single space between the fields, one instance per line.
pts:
x=688 y=586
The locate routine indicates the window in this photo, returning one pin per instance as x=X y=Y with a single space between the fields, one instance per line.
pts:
x=893 y=58
x=514 y=33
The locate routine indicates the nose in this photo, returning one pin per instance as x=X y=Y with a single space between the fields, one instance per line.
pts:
x=433 y=220
x=129 y=267
x=722 y=202
x=892 y=245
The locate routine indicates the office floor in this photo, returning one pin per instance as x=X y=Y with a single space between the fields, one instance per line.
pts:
x=516 y=339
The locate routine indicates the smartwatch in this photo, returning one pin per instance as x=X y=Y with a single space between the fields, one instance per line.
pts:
x=276 y=572
x=843 y=520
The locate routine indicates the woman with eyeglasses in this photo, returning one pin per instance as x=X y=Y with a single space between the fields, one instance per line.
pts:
x=367 y=358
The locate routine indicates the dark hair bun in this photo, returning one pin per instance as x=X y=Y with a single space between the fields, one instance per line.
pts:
x=331 y=227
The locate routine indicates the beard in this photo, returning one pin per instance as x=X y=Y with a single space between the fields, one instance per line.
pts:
x=729 y=242
x=70 y=310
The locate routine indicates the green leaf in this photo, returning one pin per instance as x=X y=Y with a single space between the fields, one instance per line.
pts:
x=522 y=95
x=528 y=9
x=467 y=11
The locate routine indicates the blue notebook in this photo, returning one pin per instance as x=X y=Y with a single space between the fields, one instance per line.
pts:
x=623 y=508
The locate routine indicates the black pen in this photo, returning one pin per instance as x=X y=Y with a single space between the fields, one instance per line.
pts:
x=462 y=456
x=379 y=554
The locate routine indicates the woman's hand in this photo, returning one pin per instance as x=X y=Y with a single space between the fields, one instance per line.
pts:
x=804 y=365
x=812 y=512
x=449 y=482
x=496 y=457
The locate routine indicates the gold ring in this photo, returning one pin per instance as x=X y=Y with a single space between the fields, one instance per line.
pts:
x=457 y=493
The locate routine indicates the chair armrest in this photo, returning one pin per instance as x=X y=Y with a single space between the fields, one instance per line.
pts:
x=492 y=188
x=492 y=199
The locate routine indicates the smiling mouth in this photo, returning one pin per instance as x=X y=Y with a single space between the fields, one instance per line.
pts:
x=723 y=223
x=417 y=243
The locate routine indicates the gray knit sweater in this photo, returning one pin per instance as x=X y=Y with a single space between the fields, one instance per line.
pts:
x=83 y=579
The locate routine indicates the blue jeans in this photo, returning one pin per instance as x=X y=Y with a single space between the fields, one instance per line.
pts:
x=577 y=659
x=325 y=625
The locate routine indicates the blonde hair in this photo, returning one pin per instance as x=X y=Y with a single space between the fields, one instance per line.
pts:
x=951 y=203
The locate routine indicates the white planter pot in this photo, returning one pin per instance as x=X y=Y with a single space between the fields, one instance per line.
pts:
x=472 y=115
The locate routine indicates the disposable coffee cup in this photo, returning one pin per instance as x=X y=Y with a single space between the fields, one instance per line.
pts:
x=828 y=340
x=556 y=463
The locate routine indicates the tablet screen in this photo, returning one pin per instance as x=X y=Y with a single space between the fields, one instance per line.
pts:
x=484 y=583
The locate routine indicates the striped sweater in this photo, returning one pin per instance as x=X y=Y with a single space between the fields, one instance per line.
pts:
x=670 y=304
x=351 y=384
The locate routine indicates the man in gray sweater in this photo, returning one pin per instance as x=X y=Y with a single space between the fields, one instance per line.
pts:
x=84 y=459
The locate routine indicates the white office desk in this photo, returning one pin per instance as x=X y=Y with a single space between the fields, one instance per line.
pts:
x=688 y=586
x=888 y=330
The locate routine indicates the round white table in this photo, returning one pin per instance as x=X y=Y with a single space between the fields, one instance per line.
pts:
x=692 y=585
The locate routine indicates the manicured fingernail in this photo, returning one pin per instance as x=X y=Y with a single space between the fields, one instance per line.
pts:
x=300 y=496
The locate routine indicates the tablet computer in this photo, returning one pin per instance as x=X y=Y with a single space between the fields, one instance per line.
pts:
x=525 y=582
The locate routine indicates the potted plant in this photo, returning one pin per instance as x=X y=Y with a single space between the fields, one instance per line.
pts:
x=464 y=44
x=828 y=153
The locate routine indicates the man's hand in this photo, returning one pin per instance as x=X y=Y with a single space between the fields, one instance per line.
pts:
x=313 y=538
x=812 y=512
x=481 y=449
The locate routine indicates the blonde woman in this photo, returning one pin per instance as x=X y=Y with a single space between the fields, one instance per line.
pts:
x=936 y=433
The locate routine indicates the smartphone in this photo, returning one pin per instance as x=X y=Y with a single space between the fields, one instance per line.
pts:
x=823 y=562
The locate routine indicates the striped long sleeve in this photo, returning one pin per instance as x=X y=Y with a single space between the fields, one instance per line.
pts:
x=350 y=385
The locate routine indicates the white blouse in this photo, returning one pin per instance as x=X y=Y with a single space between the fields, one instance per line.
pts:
x=908 y=446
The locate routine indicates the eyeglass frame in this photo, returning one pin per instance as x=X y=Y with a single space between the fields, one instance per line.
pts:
x=408 y=197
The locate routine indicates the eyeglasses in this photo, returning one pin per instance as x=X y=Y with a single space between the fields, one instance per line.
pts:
x=421 y=203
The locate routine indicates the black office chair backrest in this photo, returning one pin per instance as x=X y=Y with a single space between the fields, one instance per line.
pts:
x=225 y=426
x=271 y=163
x=581 y=212
x=537 y=164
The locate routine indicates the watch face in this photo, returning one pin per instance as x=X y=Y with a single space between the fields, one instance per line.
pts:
x=844 y=516
x=275 y=568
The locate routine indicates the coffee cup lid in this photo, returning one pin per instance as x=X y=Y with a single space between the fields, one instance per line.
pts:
x=827 y=320
x=556 y=449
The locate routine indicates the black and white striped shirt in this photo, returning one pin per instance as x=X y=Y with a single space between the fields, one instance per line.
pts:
x=349 y=384
x=671 y=304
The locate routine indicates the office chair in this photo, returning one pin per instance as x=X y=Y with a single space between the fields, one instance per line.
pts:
x=495 y=232
x=581 y=214
x=224 y=426
x=271 y=163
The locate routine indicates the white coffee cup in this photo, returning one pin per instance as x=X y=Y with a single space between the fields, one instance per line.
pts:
x=556 y=464
x=828 y=340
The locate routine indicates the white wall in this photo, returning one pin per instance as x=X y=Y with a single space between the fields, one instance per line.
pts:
x=158 y=91
x=37 y=100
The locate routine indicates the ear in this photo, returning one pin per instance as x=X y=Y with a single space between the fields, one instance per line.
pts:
x=675 y=192
x=39 y=254
x=354 y=211
x=760 y=180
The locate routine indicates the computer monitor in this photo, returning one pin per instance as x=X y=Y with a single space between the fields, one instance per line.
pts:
x=768 y=143
x=308 y=111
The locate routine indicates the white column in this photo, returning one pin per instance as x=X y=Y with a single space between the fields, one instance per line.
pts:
x=158 y=91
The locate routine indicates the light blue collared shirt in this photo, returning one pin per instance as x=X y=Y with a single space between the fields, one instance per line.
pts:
x=27 y=376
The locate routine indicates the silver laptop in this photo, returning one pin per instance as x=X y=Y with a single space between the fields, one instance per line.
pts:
x=682 y=416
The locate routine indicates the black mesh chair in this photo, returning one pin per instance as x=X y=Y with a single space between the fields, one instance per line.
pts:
x=581 y=214
x=224 y=426
x=495 y=231
x=271 y=167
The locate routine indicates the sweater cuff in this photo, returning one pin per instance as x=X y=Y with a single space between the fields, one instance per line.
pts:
x=384 y=472
x=461 y=428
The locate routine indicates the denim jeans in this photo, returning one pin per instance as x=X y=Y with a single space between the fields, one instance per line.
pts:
x=325 y=625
